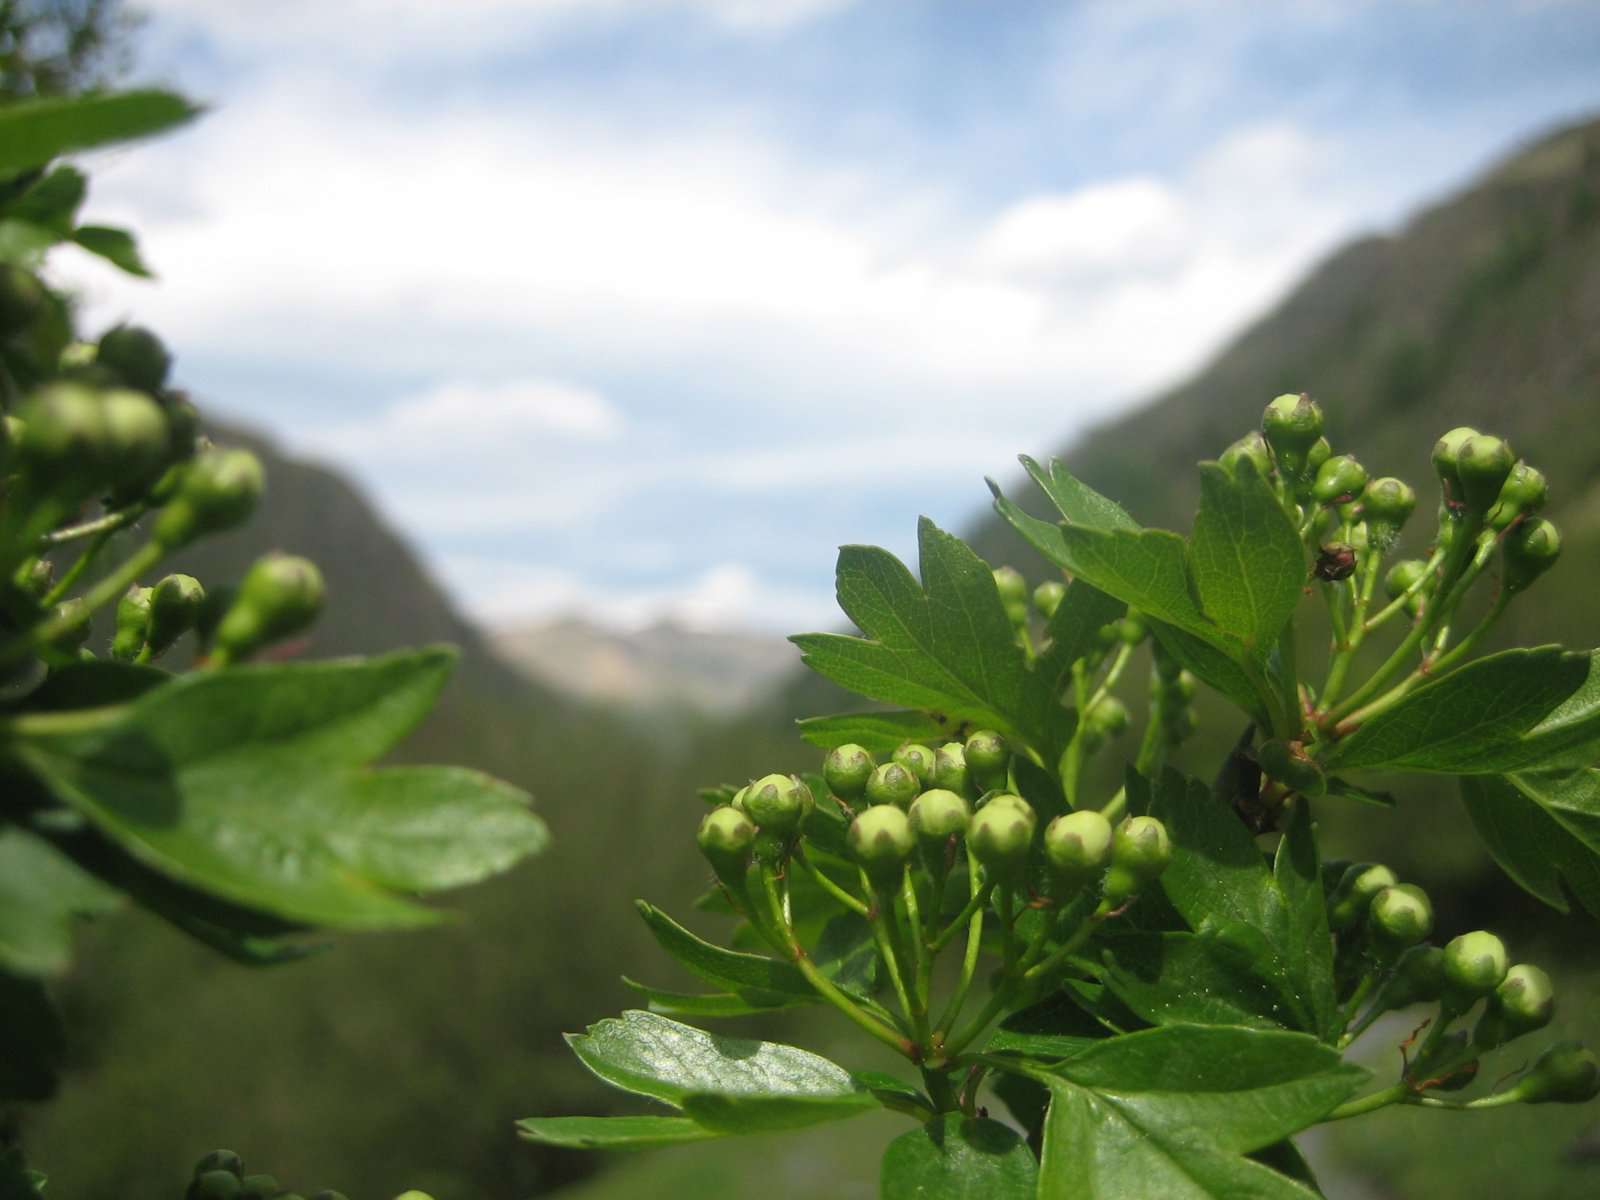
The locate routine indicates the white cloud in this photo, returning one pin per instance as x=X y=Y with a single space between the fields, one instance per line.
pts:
x=374 y=31
x=723 y=596
x=507 y=419
x=1127 y=225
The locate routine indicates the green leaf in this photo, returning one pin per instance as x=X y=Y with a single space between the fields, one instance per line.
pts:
x=1543 y=828
x=1072 y=632
x=1218 y=881
x=879 y=733
x=948 y=650
x=958 y=1158
x=53 y=202
x=1075 y=500
x=730 y=968
x=1213 y=667
x=94 y=685
x=1305 y=940
x=611 y=1133
x=116 y=246
x=712 y=1004
x=1188 y=979
x=1343 y=789
x=846 y=953
x=1246 y=557
x=247 y=784
x=32 y=132
x=42 y=892
x=732 y=1085
x=1171 y=1112
x=1512 y=711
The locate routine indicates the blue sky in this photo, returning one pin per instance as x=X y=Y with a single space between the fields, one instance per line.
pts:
x=641 y=307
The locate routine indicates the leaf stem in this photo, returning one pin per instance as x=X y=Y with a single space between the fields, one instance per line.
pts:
x=101 y=594
x=969 y=961
x=100 y=527
x=979 y=898
x=833 y=889
x=1394 y=1094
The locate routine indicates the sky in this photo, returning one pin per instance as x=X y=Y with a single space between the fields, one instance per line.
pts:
x=637 y=309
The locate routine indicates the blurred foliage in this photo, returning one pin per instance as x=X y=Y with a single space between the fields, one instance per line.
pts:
x=51 y=47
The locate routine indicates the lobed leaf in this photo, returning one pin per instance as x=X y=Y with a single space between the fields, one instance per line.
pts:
x=32 y=132
x=1513 y=711
x=956 y=1157
x=1543 y=828
x=247 y=784
x=879 y=733
x=1246 y=557
x=730 y=968
x=1171 y=1112
x=944 y=646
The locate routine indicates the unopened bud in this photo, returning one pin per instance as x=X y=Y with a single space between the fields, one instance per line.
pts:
x=1566 y=1073
x=1403 y=576
x=258 y=1187
x=218 y=491
x=280 y=595
x=880 y=839
x=1077 y=845
x=987 y=757
x=1525 y=999
x=1354 y=892
x=216 y=1185
x=1446 y=457
x=1000 y=833
x=1339 y=479
x=1482 y=464
x=1251 y=448
x=132 y=623
x=1401 y=915
x=1474 y=965
x=1012 y=586
x=893 y=784
x=175 y=604
x=916 y=758
x=1529 y=550
x=778 y=803
x=220 y=1160
x=1522 y=495
x=137 y=356
x=726 y=837
x=937 y=814
x=1291 y=424
x=950 y=768
x=1107 y=718
x=846 y=770
x=72 y=619
x=1140 y=852
x=1418 y=978
x=1047 y=597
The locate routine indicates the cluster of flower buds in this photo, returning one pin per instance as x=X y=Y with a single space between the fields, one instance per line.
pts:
x=1386 y=962
x=220 y=1175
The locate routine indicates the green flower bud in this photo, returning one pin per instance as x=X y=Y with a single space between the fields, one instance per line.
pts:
x=136 y=355
x=846 y=770
x=1522 y=495
x=133 y=622
x=1529 y=550
x=1140 y=852
x=1000 y=833
x=1047 y=597
x=1446 y=456
x=1132 y=631
x=62 y=443
x=1291 y=424
x=950 y=768
x=1286 y=762
x=259 y=1187
x=1354 y=892
x=218 y=491
x=1388 y=500
x=1474 y=965
x=1012 y=586
x=136 y=434
x=880 y=839
x=1077 y=845
x=1319 y=453
x=1401 y=915
x=1179 y=722
x=1401 y=577
x=893 y=784
x=216 y=1185
x=987 y=757
x=1483 y=464
x=737 y=802
x=220 y=1160
x=1566 y=1073
x=1340 y=478
x=174 y=607
x=778 y=803
x=917 y=759
x=937 y=814
x=1108 y=718
x=726 y=837
x=1526 y=998
x=279 y=596
x=1252 y=448
x=22 y=298
x=38 y=579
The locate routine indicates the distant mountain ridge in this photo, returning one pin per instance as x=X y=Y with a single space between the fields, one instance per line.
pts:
x=663 y=666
